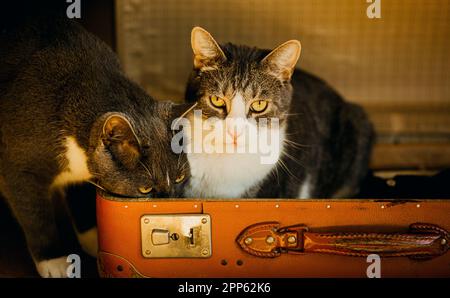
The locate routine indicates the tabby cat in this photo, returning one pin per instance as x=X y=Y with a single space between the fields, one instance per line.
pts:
x=322 y=143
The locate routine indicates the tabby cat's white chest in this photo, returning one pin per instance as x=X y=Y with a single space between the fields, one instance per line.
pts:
x=224 y=175
x=74 y=162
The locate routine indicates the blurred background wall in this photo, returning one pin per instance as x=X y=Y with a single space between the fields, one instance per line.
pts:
x=397 y=67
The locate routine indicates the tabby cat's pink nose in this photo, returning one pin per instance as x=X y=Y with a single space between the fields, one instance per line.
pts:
x=235 y=133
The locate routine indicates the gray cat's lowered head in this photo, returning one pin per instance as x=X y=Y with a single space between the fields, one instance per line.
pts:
x=120 y=145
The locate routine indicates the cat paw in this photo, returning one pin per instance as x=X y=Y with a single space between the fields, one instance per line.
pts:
x=53 y=268
x=89 y=241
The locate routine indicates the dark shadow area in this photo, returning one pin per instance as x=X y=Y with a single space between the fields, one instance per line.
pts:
x=407 y=187
x=15 y=261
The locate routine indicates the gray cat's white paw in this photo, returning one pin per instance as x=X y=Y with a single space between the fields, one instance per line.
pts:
x=56 y=268
x=89 y=241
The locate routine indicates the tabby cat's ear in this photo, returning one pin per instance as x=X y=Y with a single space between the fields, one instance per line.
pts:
x=207 y=53
x=281 y=61
x=121 y=140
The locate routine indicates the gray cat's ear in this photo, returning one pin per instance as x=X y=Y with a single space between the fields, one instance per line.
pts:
x=121 y=140
x=281 y=61
x=207 y=53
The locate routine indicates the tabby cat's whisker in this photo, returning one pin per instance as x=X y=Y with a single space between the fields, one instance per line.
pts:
x=293 y=159
x=275 y=173
x=291 y=134
x=284 y=167
x=96 y=185
x=184 y=165
x=95 y=174
x=295 y=144
x=146 y=169
x=178 y=161
x=293 y=114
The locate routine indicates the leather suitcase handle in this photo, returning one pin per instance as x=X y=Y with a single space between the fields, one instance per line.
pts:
x=268 y=240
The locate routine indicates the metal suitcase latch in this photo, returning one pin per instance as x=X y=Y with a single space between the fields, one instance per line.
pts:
x=176 y=236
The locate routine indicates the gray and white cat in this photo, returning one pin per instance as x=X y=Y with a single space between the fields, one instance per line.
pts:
x=68 y=114
x=323 y=143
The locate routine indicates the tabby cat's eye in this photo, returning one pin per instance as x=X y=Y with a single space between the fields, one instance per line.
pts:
x=259 y=106
x=145 y=189
x=179 y=178
x=217 y=101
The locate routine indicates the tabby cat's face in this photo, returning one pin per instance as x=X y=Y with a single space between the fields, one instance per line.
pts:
x=238 y=86
x=240 y=89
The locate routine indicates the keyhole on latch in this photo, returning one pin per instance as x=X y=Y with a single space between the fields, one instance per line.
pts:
x=191 y=236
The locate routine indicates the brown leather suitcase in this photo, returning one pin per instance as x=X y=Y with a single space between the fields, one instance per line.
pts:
x=272 y=238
